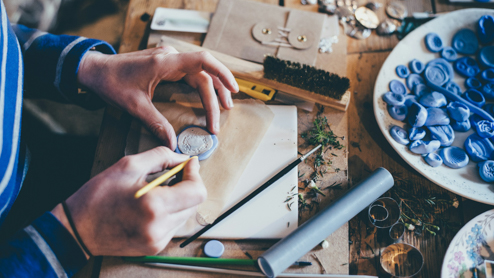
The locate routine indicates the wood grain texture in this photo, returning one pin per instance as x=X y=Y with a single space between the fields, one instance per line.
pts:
x=444 y=6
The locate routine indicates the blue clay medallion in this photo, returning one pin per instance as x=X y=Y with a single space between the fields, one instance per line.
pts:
x=433 y=159
x=466 y=67
x=416 y=66
x=453 y=87
x=397 y=87
x=472 y=83
x=486 y=170
x=488 y=75
x=484 y=128
x=449 y=53
x=414 y=79
x=398 y=112
x=478 y=148
x=444 y=64
x=465 y=42
x=454 y=157
x=402 y=71
x=196 y=141
x=399 y=134
x=433 y=42
x=444 y=133
x=474 y=97
x=394 y=98
x=436 y=116
x=424 y=147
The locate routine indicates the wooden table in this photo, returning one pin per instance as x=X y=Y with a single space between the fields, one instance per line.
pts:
x=366 y=146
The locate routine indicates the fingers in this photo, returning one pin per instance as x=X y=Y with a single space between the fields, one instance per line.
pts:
x=195 y=62
x=156 y=160
x=204 y=85
x=223 y=94
x=156 y=123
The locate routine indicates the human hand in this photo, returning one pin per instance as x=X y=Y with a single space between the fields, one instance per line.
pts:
x=111 y=221
x=128 y=81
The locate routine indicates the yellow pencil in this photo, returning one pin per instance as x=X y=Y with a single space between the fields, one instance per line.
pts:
x=161 y=179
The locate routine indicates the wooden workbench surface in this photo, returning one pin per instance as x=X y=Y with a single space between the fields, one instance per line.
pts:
x=366 y=147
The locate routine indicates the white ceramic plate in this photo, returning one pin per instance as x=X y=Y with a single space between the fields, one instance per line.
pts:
x=473 y=244
x=465 y=181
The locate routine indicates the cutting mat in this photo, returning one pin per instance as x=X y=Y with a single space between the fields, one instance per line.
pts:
x=267 y=215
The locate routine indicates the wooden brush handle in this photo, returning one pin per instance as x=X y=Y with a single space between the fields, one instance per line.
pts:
x=254 y=72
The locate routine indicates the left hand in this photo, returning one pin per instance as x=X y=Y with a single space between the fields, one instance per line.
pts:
x=128 y=80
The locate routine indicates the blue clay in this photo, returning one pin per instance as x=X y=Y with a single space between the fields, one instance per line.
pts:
x=489 y=108
x=488 y=75
x=417 y=115
x=416 y=133
x=445 y=65
x=398 y=112
x=461 y=126
x=214 y=249
x=433 y=159
x=433 y=42
x=416 y=66
x=488 y=90
x=466 y=67
x=472 y=83
x=478 y=148
x=486 y=170
x=394 y=98
x=433 y=99
x=453 y=87
x=458 y=111
x=436 y=75
x=396 y=86
x=485 y=129
x=399 y=134
x=465 y=42
x=454 y=157
x=436 y=116
x=414 y=79
x=206 y=154
x=475 y=119
x=409 y=99
x=485 y=29
x=449 y=54
x=486 y=56
x=421 y=89
x=444 y=133
x=474 y=97
x=402 y=71
x=424 y=147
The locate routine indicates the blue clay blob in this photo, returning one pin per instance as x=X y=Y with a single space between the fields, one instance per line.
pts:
x=436 y=116
x=458 y=111
x=416 y=66
x=488 y=75
x=454 y=157
x=214 y=249
x=466 y=67
x=433 y=99
x=414 y=79
x=409 y=99
x=444 y=133
x=478 y=148
x=453 y=87
x=398 y=112
x=488 y=90
x=472 y=83
x=489 y=108
x=421 y=89
x=436 y=75
x=484 y=128
x=485 y=29
x=474 y=97
x=416 y=133
x=433 y=159
x=402 y=71
x=399 y=134
x=417 y=115
x=424 y=147
x=433 y=42
x=394 y=98
x=449 y=54
x=461 y=126
x=396 y=86
x=206 y=154
x=486 y=56
x=445 y=65
x=465 y=42
x=486 y=170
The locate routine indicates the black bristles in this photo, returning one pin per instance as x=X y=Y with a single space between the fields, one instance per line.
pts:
x=305 y=77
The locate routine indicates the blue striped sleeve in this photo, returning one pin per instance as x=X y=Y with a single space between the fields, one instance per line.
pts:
x=43 y=249
x=51 y=63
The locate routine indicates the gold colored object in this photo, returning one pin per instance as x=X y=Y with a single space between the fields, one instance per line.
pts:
x=302 y=38
x=266 y=31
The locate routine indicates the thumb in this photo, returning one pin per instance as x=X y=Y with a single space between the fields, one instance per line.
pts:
x=157 y=124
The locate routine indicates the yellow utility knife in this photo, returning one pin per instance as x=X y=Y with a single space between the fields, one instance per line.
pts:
x=255 y=90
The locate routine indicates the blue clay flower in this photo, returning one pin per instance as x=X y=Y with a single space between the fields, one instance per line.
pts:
x=398 y=112
x=399 y=134
x=486 y=170
x=485 y=129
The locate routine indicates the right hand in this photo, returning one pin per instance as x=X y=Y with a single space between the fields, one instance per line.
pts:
x=111 y=221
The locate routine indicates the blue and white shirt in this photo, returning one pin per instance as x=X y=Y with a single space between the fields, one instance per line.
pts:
x=41 y=65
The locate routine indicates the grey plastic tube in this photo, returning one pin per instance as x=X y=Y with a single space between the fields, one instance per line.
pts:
x=288 y=250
